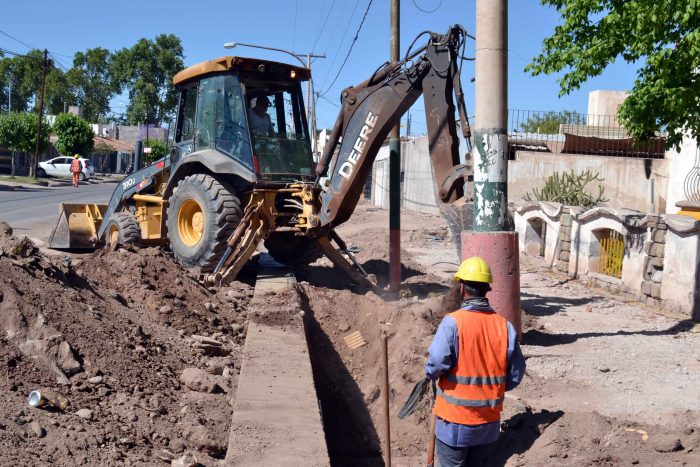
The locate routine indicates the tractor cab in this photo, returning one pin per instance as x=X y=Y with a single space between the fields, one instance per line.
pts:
x=244 y=117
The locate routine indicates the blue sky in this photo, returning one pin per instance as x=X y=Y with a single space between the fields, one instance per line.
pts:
x=67 y=26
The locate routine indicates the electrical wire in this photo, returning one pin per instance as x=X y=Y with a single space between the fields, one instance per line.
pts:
x=14 y=38
x=60 y=64
x=426 y=11
x=342 y=39
x=354 y=40
x=323 y=27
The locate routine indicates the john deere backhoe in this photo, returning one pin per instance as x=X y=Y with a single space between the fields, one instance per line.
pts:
x=224 y=188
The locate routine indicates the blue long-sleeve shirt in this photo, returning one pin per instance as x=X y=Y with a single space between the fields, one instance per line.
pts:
x=442 y=356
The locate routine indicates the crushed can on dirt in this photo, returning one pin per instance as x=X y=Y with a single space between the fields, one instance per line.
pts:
x=36 y=399
x=77 y=226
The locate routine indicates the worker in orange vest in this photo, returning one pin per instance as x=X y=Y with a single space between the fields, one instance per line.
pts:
x=76 y=167
x=475 y=358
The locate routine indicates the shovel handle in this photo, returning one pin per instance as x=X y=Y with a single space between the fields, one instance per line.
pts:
x=431 y=442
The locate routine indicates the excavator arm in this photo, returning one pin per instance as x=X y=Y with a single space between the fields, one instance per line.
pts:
x=369 y=111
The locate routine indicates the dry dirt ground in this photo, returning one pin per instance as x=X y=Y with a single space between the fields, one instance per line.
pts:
x=149 y=359
x=608 y=382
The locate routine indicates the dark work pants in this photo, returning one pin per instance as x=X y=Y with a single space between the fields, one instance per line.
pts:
x=471 y=456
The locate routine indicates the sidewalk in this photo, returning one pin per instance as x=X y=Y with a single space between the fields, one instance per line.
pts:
x=6 y=180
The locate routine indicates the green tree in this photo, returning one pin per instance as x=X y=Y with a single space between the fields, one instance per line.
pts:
x=147 y=69
x=92 y=83
x=24 y=72
x=158 y=150
x=74 y=135
x=18 y=133
x=547 y=123
x=661 y=36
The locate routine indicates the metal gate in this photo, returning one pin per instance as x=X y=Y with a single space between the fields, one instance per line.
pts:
x=612 y=251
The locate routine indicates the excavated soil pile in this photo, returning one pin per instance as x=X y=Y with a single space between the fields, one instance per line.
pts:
x=146 y=357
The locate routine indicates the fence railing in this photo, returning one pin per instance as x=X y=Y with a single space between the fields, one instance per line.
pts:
x=575 y=133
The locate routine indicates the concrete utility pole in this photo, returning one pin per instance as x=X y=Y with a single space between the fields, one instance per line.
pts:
x=395 y=171
x=40 y=112
x=489 y=238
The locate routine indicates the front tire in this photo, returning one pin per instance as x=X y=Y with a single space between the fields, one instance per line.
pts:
x=291 y=250
x=123 y=229
x=202 y=214
x=41 y=173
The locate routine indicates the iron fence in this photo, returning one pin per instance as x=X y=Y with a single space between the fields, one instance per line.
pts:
x=575 y=133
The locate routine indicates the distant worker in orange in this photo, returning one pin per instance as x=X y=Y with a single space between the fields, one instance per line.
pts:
x=76 y=167
x=475 y=358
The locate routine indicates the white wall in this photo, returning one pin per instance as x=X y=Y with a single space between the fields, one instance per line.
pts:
x=626 y=183
x=684 y=174
x=550 y=214
x=586 y=244
x=682 y=264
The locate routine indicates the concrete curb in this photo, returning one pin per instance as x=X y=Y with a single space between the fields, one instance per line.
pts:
x=276 y=417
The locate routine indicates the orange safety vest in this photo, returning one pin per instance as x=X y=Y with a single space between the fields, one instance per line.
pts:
x=472 y=392
x=75 y=166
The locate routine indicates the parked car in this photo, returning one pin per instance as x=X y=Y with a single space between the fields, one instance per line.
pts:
x=60 y=167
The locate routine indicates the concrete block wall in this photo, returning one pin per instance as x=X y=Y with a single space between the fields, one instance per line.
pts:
x=654 y=248
x=539 y=229
x=680 y=285
x=661 y=261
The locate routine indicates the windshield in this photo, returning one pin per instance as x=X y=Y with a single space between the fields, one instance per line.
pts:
x=278 y=130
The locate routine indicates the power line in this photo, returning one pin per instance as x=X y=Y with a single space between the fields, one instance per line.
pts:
x=313 y=48
x=14 y=38
x=342 y=39
x=357 y=34
x=60 y=64
x=10 y=52
x=427 y=11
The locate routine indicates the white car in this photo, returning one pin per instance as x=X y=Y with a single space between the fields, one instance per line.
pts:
x=60 y=167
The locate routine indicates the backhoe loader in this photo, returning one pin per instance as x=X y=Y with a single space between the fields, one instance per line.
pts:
x=224 y=188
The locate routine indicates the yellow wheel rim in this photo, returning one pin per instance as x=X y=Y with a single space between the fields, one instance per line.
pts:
x=114 y=234
x=190 y=222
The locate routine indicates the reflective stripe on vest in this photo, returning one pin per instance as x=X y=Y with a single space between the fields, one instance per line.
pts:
x=75 y=166
x=472 y=392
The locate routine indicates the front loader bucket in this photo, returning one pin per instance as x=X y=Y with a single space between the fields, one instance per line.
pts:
x=77 y=226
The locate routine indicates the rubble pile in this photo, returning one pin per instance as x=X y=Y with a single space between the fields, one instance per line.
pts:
x=146 y=357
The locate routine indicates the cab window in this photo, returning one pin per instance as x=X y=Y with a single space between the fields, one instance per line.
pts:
x=231 y=131
x=278 y=129
x=185 y=130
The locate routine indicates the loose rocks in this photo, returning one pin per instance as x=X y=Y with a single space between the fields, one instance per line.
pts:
x=199 y=380
x=84 y=413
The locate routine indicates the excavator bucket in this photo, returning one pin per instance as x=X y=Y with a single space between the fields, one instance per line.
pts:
x=77 y=226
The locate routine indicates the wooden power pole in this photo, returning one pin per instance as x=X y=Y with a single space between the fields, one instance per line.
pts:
x=40 y=113
x=395 y=172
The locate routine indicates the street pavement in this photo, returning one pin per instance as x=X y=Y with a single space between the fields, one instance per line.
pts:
x=33 y=210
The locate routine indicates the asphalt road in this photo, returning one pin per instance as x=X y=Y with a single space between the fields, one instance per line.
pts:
x=32 y=211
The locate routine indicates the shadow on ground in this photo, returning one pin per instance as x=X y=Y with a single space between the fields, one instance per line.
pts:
x=544 y=339
x=519 y=434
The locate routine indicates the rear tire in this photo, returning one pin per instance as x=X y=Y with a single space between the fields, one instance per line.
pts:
x=82 y=177
x=123 y=228
x=41 y=173
x=286 y=248
x=202 y=214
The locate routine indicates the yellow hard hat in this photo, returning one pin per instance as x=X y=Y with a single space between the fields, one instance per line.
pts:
x=76 y=156
x=474 y=269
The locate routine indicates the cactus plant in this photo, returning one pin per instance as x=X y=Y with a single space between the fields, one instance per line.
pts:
x=569 y=188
